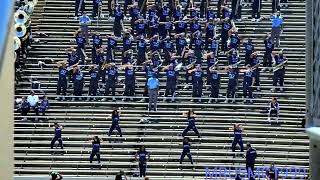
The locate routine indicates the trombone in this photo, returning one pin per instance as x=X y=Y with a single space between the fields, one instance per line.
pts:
x=279 y=66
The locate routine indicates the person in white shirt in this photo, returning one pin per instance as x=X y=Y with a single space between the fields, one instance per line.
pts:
x=33 y=99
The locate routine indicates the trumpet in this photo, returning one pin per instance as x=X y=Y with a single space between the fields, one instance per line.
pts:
x=16 y=43
x=21 y=30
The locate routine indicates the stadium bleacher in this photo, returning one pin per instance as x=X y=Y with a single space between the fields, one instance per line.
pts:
x=285 y=144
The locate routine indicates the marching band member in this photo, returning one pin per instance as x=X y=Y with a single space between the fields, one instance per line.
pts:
x=248 y=81
x=214 y=80
x=197 y=81
x=171 y=85
x=279 y=70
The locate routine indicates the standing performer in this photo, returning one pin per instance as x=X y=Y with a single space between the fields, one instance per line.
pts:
x=62 y=81
x=237 y=130
x=269 y=46
x=142 y=156
x=94 y=79
x=249 y=49
x=251 y=156
x=118 y=18
x=115 y=123
x=186 y=150
x=232 y=84
x=197 y=82
x=279 y=71
x=112 y=74
x=171 y=85
x=96 y=44
x=130 y=81
x=191 y=123
x=78 y=82
x=84 y=22
x=214 y=80
x=248 y=81
x=57 y=135
x=95 y=149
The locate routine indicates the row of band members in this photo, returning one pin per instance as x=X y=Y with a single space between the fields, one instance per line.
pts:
x=142 y=156
x=189 y=66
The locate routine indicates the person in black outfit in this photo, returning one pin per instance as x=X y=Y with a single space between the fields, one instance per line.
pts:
x=251 y=156
x=143 y=157
x=272 y=173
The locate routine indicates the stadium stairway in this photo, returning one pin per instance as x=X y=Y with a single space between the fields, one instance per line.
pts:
x=285 y=144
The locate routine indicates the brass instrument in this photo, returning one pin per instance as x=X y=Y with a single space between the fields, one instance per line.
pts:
x=191 y=65
x=21 y=17
x=21 y=30
x=16 y=43
x=279 y=66
x=31 y=1
x=29 y=8
x=235 y=65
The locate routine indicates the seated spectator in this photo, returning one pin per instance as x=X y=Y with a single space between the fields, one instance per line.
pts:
x=24 y=107
x=33 y=100
x=274 y=108
x=43 y=105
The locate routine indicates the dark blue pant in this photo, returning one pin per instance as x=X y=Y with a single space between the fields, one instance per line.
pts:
x=79 y=7
x=77 y=88
x=247 y=90
x=129 y=88
x=220 y=3
x=267 y=59
x=257 y=78
x=93 y=55
x=95 y=153
x=197 y=90
x=110 y=56
x=170 y=88
x=93 y=87
x=224 y=39
x=110 y=85
x=55 y=138
x=62 y=84
x=117 y=127
x=95 y=9
x=110 y=7
x=247 y=58
x=188 y=128
x=126 y=4
x=81 y=55
x=278 y=77
x=183 y=154
x=256 y=8
x=142 y=168
x=215 y=90
x=275 y=5
x=231 y=89
x=236 y=9
x=235 y=142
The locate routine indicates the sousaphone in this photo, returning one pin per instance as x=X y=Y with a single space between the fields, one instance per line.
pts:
x=16 y=43
x=21 y=30
x=20 y=17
